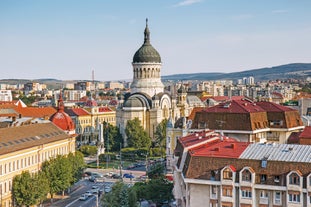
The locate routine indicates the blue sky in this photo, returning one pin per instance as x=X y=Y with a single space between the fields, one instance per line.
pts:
x=67 y=39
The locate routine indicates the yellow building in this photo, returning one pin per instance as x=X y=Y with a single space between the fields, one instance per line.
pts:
x=25 y=148
x=88 y=120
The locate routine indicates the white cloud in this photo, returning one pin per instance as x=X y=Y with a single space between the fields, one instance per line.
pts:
x=188 y=2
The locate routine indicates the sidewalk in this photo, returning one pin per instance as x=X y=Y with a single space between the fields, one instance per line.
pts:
x=58 y=198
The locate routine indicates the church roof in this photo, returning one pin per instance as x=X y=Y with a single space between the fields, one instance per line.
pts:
x=147 y=53
x=61 y=118
x=133 y=102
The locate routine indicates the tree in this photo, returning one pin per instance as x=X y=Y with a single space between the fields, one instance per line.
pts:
x=77 y=165
x=29 y=189
x=88 y=150
x=160 y=134
x=137 y=137
x=156 y=171
x=159 y=190
x=124 y=197
x=119 y=196
x=113 y=136
x=59 y=174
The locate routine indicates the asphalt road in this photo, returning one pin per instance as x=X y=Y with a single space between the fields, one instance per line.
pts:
x=72 y=200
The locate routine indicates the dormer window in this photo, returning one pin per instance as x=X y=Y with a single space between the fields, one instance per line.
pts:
x=294 y=179
x=227 y=174
x=246 y=176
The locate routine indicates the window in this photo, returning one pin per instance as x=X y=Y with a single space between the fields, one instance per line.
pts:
x=294 y=197
x=246 y=176
x=227 y=174
x=263 y=178
x=213 y=191
x=246 y=194
x=277 y=197
x=294 y=179
x=277 y=179
x=227 y=192
x=263 y=194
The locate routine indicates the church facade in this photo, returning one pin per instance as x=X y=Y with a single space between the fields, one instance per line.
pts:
x=148 y=101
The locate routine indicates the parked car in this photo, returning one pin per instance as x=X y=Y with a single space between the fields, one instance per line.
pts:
x=127 y=175
x=89 y=193
x=83 y=197
x=115 y=176
x=87 y=173
x=93 y=179
x=95 y=189
x=97 y=175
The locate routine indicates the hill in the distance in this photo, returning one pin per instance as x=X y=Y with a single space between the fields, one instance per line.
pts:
x=294 y=70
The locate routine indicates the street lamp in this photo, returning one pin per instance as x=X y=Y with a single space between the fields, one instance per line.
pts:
x=107 y=140
x=121 y=162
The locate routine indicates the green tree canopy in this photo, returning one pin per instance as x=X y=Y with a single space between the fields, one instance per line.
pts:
x=160 y=134
x=77 y=165
x=157 y=190
x=59 y=174
x=113 y=137
x=137 y=137
x=29 y=189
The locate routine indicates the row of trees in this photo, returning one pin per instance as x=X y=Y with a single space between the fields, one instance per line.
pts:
x=157 y=190
x=56 y=175
x=137 y=137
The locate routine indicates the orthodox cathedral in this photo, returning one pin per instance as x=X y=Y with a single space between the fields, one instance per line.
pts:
x=147 y=100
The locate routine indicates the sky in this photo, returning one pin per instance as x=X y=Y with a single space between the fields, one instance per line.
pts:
x=68 y=39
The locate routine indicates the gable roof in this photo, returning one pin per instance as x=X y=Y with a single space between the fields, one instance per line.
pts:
x=236 y=106
x=77 y=112
x=26 y=136
x=273 y=107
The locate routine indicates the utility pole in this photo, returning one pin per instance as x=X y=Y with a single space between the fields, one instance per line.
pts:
x=107 y=139
x=121 y=162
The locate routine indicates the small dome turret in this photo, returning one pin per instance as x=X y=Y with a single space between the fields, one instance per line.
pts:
x=146 y=53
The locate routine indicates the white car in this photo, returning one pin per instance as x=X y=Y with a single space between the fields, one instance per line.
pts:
x=88 y=193
x=83 y=197
x=95 y=189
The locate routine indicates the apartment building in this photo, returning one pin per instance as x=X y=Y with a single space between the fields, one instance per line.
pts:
x=227 y=173
x=25 y=148
x=250 y=121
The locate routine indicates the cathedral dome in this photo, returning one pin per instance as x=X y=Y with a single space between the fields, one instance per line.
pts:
x=147 y=53
x=62 y=119
x=133 y=102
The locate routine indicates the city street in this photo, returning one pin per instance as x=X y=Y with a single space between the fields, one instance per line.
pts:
x=72 y=200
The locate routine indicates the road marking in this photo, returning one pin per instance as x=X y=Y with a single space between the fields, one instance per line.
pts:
x=72 y=202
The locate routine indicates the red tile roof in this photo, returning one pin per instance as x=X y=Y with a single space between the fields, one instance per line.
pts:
x=236 y=106
x=196 y=138
x=273 y=107
x=36 y=112
x=77 y=112
x=306 y=133
x=293 y=138
x=229 y=149
x=104 y=109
